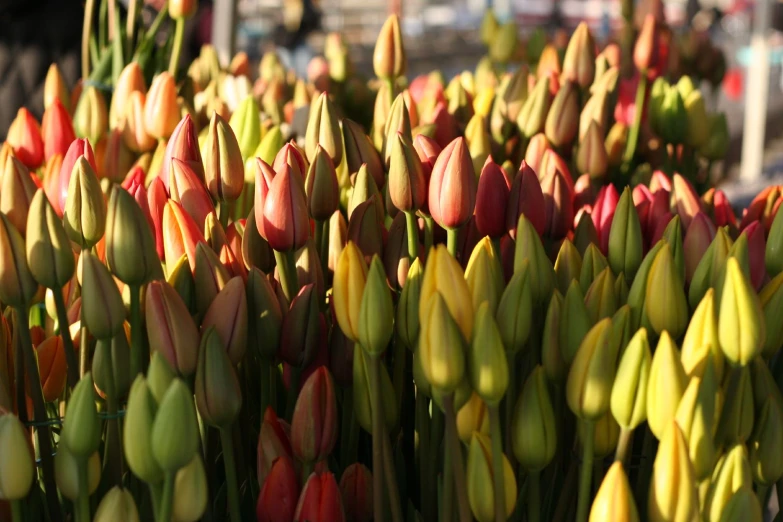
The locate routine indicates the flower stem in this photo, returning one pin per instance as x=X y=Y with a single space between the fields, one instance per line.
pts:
x=391 y=478
x=390 y=83
x=447 y=508
x=176 y=50
x=167 y=500
x=39 y=413
x=113 y=461
x=17 y=514
x=588 y=446
x=413 y=235
x=496 y=437
x=534 y=496
x=623 y=443
x=633 y=134
x=232 y=488
x=89 y=12
x=451 y=241
x=322 y=244
x=425 y=454
x=83 y=502
x=378 y=427
x=156 y=491
x=130 y=27
x=460 y=484
x=287 y=268
x=71 y=362
x=138 y=352
x=429 y=226
x=349 y=431
x=645 y=470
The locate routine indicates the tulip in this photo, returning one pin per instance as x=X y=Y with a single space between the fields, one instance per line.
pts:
x=504 y=44
x=739 y=305
x=314 y=424
x=558 y=194
x=285 y=218
x=264 y=314
x=81 y=432
x=533 y=428
x=55 y=88
x=629 y=391
x=579 y=60
x=593 y=264
x=223 y=167
x=551 y=356
x=321 y=186
x=140 y=413
x=736 y=418
x=770 y=298
x=666 y=385
x=585 y=233
x=190 y=492
x=698 y=237
x=273 y=442
x=441 y=343
x=443 y=275
x=754 y=234
x=614 y=499
x=731 y=474
x=134 y=133
x=698 y=123
x=348 y=287
x=600 y=298
x=51 y=366
x=218 y=395
x=161 y=112
x=117 y=506
x=357 y=493
x=160 y=375
x=111 y=361
x=156 y=201
x=376 y=314
x=67 y=473
x=181 y=235
x=395 y=256
x=24 y=137
x=711 y=267
x=766 y=460
x=589 y=384
x=359 y=151
x=279 y=492
x=131 y=80
x=182 y=145
x=562 y=121
x=615 y=143
x=574 y=324
x=320 y=500
x=481 y=480
x=592 y=155
x=625 y=238
x=16 y=193
x=17 y=468
x=388 y=59
x=174 y=432
x=117 y=157
x=452 y=189
x=514 y=310
x=696 y=417
x=664 y=302
x=228 y=314
x=525 y=197
x=49 y=253
x=90 y=119
x=246 y=125
x=472 y=416
x=188 y=190
x=528 y=247
x=301 y=332
x=743 y=505
x=645 y=52
x=56 y=130
x=103 y=311
x=85 y=208
x=568 y=266
x=407 y=184
x=672 y=493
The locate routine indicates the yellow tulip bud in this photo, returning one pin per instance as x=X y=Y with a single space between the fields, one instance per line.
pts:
x=731 y=473
x=665 y=303
x=376 y=314
x=614 y=500
x=741 y=323
x=589 y=385
x=533 y=427
x=568 y=266
x=701 y=340
x=695 y=416
x=575 y=322
x=472 y=416
x=350 y=277
x=484 y=275
x=606 y=434
x=742 y=506
x=481 y=482
x=16 y=465
x=736 y=419
x=673 y=495
x=665 y=386
x=441 y=344
x=629 y=391
x=442 y=274
x=487 y=363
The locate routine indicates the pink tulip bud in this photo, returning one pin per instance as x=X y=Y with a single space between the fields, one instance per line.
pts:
x=603 y=213
x=182 y=145
x=314 y=424
x=698 y=238
x=452 y=191
x=156 y=199
x=286 y=221
x=525 y=197
x=492 y=197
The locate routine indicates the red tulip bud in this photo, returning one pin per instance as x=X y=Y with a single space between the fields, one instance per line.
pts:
x=279 y=494
x=659 y=180
x=24 y=136
x=492 y=196
x=170 y=327
x=559 y=205
x=228 y=314
x=302 y=329
x=646 y=49
x=156 y=202
x=182 y=145
x=698 y=238
x=290 y=156
x=446 y=125
x=723 y=213
x=686 y=200
x=314 y=424
x=286 y=223
x=603 y=213
x=534 y=154
x=452 y=191
x=525 y=197
x=57 y=130
x=757 y=246
x=273 y=442
x=264 y=174
x=356 y=490
x=320 y=500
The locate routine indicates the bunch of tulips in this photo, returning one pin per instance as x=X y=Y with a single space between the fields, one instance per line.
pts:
x=514 y=295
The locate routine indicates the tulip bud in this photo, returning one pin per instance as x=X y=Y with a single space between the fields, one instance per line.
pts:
x=57 y=131
x=625 y=238
x=359 y=150
x=134 y=134
x=614 y=500
x=487 y=365
x=443 y=275
x=160 y=375
x=515 y=310
x=601 y=298
x=103 y=311
x=174 y=432
x=279 y=492
x=314 y=424
x=698 y=237
x=320 y=500
x=593 y=264
x=117 y=505
x=672 y=492
x=664 y=302
x=711 y=267
x=376 y=313
x=696 y=416
x=388 y=59
x=55 y=88
x=529 y=247
x=585 y=233
x=182 y=145
x=743 y=505
x=579 y=60
x=285 y=218
x=766 y=459
x=740 y=306
x=562 y=122
x=589 y=384
x=321 y=186
x=574 y=323
x=52 y=367
x=264 y=314
x=350 y=278
x=218 y=396
x=17 y=468
x=357 y=494
x=302 y=329
x=736 y=418
x=452 y=189
x=246 y=125
x=525 y=197
x=666 y=385
x=131 y=80
x=139 y=417
x=190 y=492
x=645 y=52
x=223 y=167
x=568 y=266
x=629 y=391
x=66 y=473
x=90 y=119
x=161 y=112
x=533 y=428
x=49 y=253
x=228 y=313
x=731 y=474
x=558 y=203
x=81 y=432
x=441 y=344
x=591 y=156
x=85 y=208
x=701 y=340
x=698 y=122
x=407 y=312
x=188 y=190
x=481 y=480
x=323 y=129
x=111 y=360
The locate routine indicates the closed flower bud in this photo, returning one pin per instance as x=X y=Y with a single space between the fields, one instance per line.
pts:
x=504 y=45
x=529 y=247
x=525 y=197
x=484 y=275
x=625 y=238
x=579 y=60
x=16 y=193
x=731 y=474
x=407 y=185
x=134 y=134
x=589 y=385
x=591 y=156
x=551 y=356
x=562 y=122
x=388 y=59
x=130 y=246
x=189 y=191
x=91 y=119
x=766 y=459
x=701 y=340
x=514 y=313
x=117 y=505
x=49 y=253
x=629 y=391
x=279 y=492
x=487 y=364
x=743 y=505
x=228 y=314
x=182 y=145
x=452 y=189
x=601 y=298
x=159 y=376
x=558 y=194
x=174 y=432
x=492 y=197
x=407 y=311
x=161 y=112
x=320 y=500
x=323 y=129
x=85 y=208
x=218 y=396
x=131 y=80
x=711 y=267
x=55 y=88
x=302 y=329
x=698 y=122
x=673 y=494
x=357 y=494
x=697 y=240
x=17 y=468
x=664 y=302
x=666 y=385
x=481 y=483
x=286 y=221
x=645 y=52
x=472 y=416
x=246 y=124
x=264 y=315
x=575 y=322
x=111 y=360
x=137 y=442
x=359 y=151
x=81 y=432
x=614 y=500
x=533 y=427
x=736 y=418
x=323 y=196
x=443 y=275
x=568 y=266
x=376 y=314
x=740 y=306
x=223 y=166
x=350 y=278
x=190 y=492
x=314 y=424
x=771 y=297
x=696 y=417
x=103 y=311
x=52 y=367
x=441 y=344
x=672 y=117
x=56 y=129
x=66 y=473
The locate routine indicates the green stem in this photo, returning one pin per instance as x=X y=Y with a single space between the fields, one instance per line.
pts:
x=413 y=235
x=84 y=349
x=563 y=501
x=378 y=427
x=139 y=355
x=39 y=414
x=588 y=445
x=176 y=50
x=447 y=507
x=436 y=438
x=17 y=513
x=425 y=453
x=534 y=496
x=71 y=362
x=232 y=488
x=19 y=378
x=293 y=392
x=157 y=22
x=113 y=461
x=511 y=393
x=83 y=501
x=645 y=470
x=390 y=83
x=156 y=492
x=451 y=241
x=89 y=11
x=130 y=27
x=496 y=437
x=167 y=499
x=287 y=268
x=307 y=470
x=623 y=444
x=103 y=24
x=429 y=226
x=117 y=59
x=348 y=430
x=633 y=134
x=460 y=483
x=322 y=244
x=391 y=477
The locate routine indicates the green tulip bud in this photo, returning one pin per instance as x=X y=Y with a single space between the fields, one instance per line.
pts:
x=82 y=428
x=407 y=320
x=376 y=316
x=695 y=416
x=575 y=322
x=542 y=273
x=664 y=302
x=160 y=375
x=533 y=427
x=532 y=116
x=568 y=266
x=673 y=118
x=638 y=290
x=629 y=391
x=625 y=237
x=137 y=435
x=487 y=363
x=175 y=429
x=600 y=299
x=589 y=385
x=103 y=311
x=49 y=253
x=741 y=323
x=218 y=395
x=514 y=313
x=621 y=289
x=585 y=234
x=66 y=473
x=771 y=298
x=190 y=492
x=621 y=331
x=736 y=419
x=246 y=124
x=264 y=314
x=551 y=356
x=481 y=484
x=766 y=457
x=17 y=286
x=117 y=506
x=673 y=236
x=17 y=466
x=673 y=495
x=270 y=144
x=593 y=263
x=323 y=129
x=112 y=355
x=710 y=267
x=362 y=405
x=773 y=255
x=742 y=506
x=698 y=123
x=731 y=473
x=665 y=386
x=717 y=143
x=701 y=340
x=441 y=345
x=739 y=251
x=84 y=215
